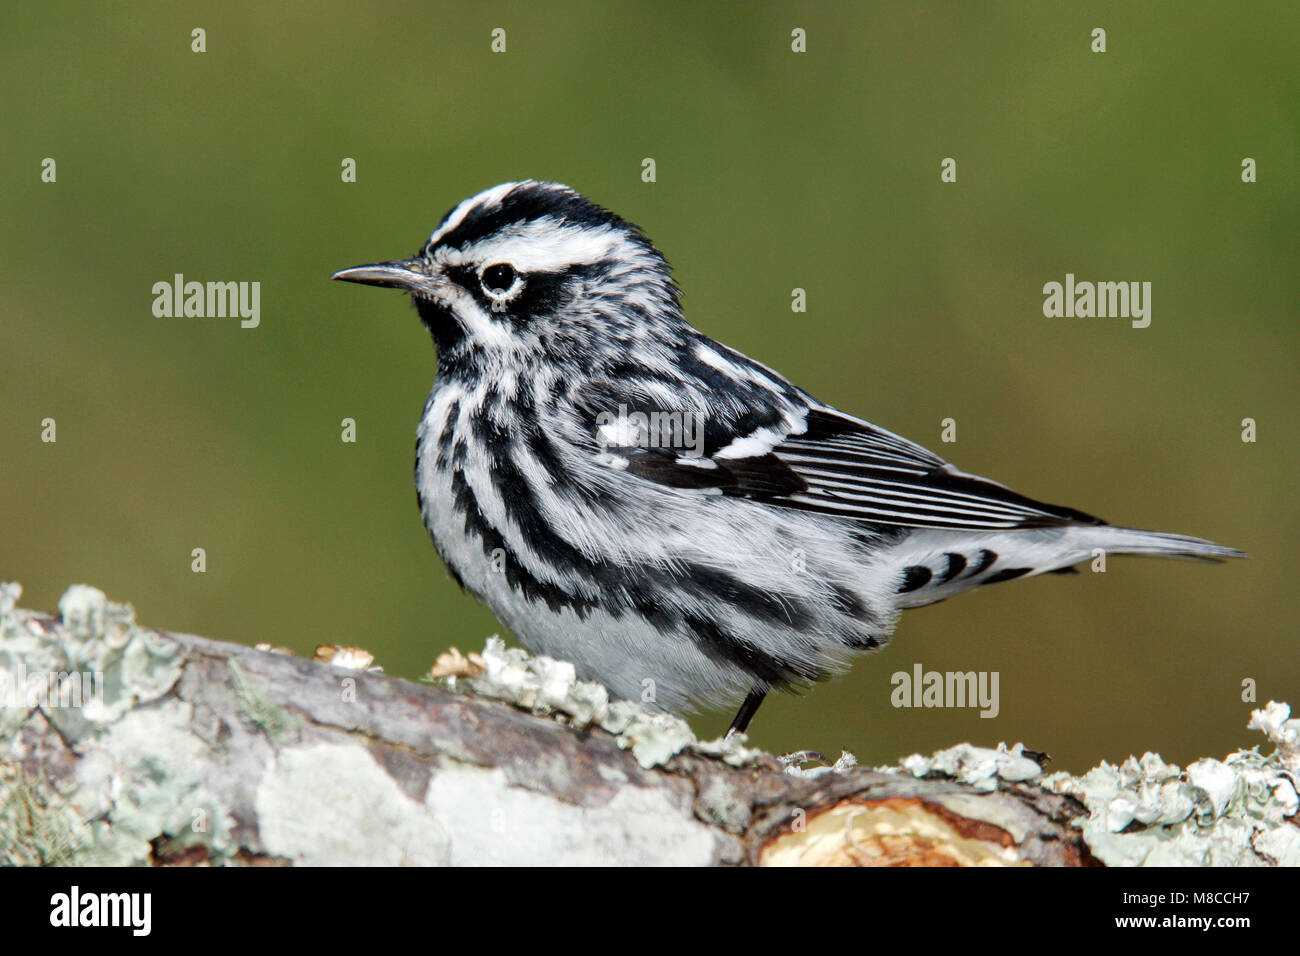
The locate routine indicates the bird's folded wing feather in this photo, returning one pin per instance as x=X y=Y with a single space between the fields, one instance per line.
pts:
x=838 y=465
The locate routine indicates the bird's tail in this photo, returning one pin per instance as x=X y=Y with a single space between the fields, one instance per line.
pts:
x=932 y=565
x=1112 y=540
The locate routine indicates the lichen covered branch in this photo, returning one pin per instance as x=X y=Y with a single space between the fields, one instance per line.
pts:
x=122 y=744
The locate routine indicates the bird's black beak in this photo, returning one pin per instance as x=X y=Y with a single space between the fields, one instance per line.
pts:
x=406 y=274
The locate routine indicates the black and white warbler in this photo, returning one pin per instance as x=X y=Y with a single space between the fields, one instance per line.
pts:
x=677 y=520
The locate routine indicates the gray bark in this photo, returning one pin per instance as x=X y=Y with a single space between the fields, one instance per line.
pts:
x=199 y=751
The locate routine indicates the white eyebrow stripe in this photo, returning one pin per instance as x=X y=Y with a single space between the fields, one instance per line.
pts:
x=490 y=197
x=544 y=245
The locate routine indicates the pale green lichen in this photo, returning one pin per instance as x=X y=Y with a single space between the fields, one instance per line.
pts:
x=654 y=738
x=99 y=652
x=488 y=822
x=547 y=686
x=795 y=768
x=259 y=709
x=354 y=802
x=141 y=775
x=1146 y=812
x=155 y=785
x=1230 y=812
x=981 y=767
x=38 y=827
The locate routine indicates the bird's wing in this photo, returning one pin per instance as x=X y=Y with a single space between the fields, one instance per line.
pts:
x=852 y=468
x=832 y=463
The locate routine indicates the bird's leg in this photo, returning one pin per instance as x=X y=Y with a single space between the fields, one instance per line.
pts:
x=747 y=711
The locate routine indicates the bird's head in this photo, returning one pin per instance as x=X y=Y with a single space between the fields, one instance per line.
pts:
x=533 y=268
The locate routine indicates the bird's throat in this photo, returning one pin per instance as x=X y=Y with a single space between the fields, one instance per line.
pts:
x=448 y=335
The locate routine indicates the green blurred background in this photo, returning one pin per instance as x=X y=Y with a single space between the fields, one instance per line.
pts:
x=775 y=170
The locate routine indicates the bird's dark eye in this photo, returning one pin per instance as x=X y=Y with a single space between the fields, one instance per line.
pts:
x=498 y=278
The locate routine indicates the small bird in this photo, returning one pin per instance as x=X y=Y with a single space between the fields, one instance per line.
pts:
x=677 y=520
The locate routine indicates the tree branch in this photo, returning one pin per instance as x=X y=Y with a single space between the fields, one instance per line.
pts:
x=170 y=748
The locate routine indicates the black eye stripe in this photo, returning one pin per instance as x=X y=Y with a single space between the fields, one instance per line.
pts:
x=533 y=294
